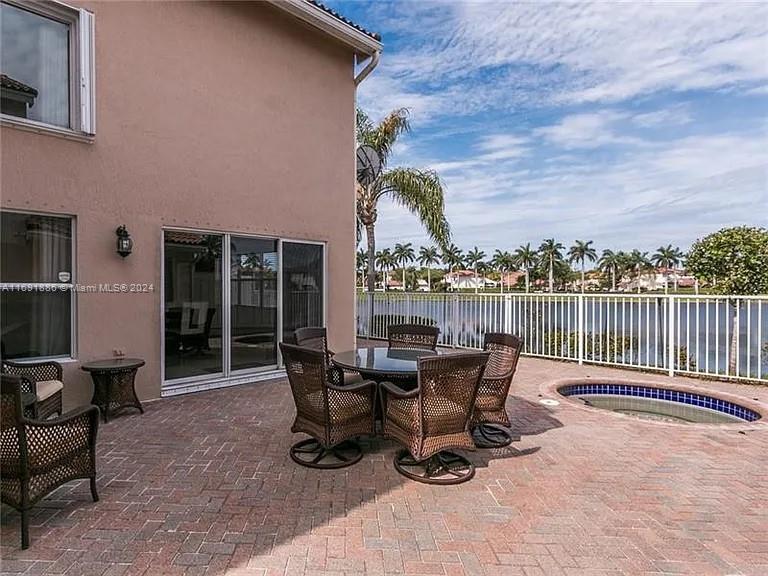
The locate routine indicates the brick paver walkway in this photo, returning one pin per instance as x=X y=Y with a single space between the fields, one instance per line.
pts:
x=203 y=484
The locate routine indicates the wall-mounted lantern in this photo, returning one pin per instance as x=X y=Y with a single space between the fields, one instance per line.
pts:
x=124 y=241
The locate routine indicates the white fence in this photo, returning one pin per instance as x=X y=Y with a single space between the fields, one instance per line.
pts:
x=695 y=335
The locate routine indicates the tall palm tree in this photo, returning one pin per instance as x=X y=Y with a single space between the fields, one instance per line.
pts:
x=420 y=191
x=525 y=258
x=501 y=263
x=452 y=257
x=362 y=265
x=551 y=251
x=639 y=263
x=385 y=260
x=667 y=257
x=581 y=252
x=428 y=256
x=611 y=262
x=474 y=259
x=403 y=254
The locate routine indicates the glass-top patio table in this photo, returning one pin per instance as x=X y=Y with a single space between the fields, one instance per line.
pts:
x=381 y=363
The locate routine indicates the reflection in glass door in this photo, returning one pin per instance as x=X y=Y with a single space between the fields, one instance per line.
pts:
x=303 y=302
x=253 y=302
x=193 y=313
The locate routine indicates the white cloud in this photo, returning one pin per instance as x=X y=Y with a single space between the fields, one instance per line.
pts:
x=673 y=116
x=663 y=192
x=585 y=130
x=491 y=54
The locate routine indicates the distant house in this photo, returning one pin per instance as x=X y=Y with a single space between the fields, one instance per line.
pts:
x=422 y=285
x=655 y=280
x=466 y=280
x=510 y=279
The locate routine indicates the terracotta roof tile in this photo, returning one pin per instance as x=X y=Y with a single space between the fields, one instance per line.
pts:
x=8 y=82
x=338 y=16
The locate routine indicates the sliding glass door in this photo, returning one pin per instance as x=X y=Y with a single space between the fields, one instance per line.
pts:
x=193 y=307
x=303 y=280
x=253 y=302
x=229 y=299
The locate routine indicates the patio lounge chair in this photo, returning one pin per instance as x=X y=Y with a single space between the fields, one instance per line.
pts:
x=331 y=414
x=435 y=417
x=490 y=412
x=412 y=336
x=44 y=380
x=38 y=456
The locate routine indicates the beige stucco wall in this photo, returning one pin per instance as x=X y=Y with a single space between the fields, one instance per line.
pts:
x=230 y=117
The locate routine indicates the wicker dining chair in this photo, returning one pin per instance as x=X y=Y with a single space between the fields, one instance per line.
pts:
x=45 y=380
x=412 y=336
x=316 y=338
x=38 y=456
x=490 y=413
x=434 y=418
x=332 y=415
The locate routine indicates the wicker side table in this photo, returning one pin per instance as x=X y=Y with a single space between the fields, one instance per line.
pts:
x=114 y=384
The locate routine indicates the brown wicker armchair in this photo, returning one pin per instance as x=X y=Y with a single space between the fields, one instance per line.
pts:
x=45 y=380
x=332 y=415
x=413 y=336
x=38 y=456
x=435 y=417
x=317 y=339
x=490 y=412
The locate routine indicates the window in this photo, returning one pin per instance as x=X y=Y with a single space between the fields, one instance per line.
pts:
x=47 y=65
x=36 y=280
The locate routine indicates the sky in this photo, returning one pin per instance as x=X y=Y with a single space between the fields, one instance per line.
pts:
x=634 y=125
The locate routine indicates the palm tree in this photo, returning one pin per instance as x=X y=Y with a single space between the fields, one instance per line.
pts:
x=501 y=262
x=525 y=258
x=581 y=252
x=385 y=261
x=611 y=262
x=361 y=265
x=452 y=257
x=474 y=259
x=667 y=257
x=403 y=254
x=550 y=252
x=420 y=191
x=427 y=257
x=638 y=263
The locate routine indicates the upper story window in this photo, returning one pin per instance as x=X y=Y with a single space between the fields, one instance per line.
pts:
x=46 y=66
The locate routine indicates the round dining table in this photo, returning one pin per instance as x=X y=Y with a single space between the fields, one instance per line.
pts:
x=380 y=363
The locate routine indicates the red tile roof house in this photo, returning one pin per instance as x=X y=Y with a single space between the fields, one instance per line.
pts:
x=221 y=135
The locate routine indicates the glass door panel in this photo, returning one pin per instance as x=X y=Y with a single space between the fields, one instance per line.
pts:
x=253 y=302
x=302 y=287
x=193 y=307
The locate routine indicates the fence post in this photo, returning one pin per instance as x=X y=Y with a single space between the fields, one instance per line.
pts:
x=455 y=337
x=671 y=318
x=580 y=326
x=508 y=313
x=407 y=306
x=369 y=297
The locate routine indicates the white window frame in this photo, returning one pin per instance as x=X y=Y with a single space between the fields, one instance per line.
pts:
x=72 y=356
x=82 y=68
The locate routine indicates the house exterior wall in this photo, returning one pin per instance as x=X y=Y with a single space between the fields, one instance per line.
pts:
x=229 y=117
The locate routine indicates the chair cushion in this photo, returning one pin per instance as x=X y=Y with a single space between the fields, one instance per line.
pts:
x=47 y=388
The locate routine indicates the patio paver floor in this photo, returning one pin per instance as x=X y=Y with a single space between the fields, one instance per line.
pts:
x=202 y=484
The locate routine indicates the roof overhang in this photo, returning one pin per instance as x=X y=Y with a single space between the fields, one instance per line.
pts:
x=361 y=43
